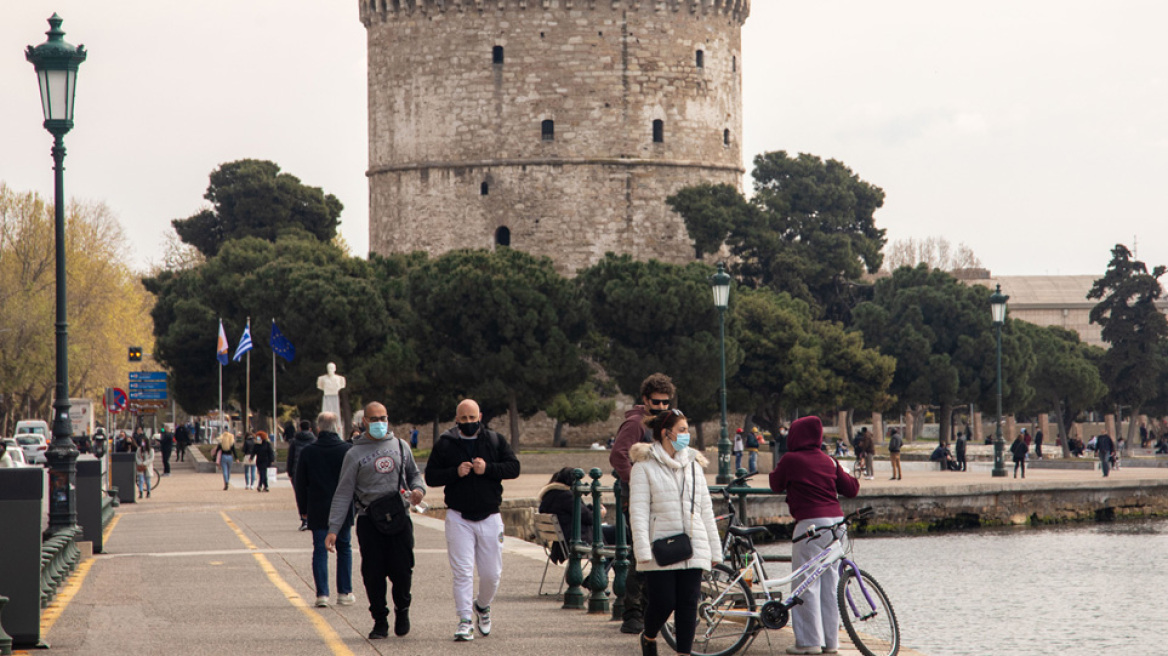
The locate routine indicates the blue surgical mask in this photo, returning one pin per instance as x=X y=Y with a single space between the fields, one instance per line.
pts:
x=681 y=442
x=379 y=430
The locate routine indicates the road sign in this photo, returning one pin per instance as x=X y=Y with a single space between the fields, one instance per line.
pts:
x=146 y=406
x=116 y=400
x=147 y=395
x=147 y=375
x=147 y=385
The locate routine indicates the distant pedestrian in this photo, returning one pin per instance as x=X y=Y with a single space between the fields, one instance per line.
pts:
x=1143 y=435
x=144 y=468
x=414 y=438
x=866 y=449
x=1038 y=444
x=318 y=470
x=894 y=445
x=959 y=449
x=197 y=432
x=472 y=462
x=813 y=482
x=751 y=442
x=378 y=472
x=296 y=444
x=182 y=440
x=1104 y=447
x=249 y=457
x=1116 y=457
x=265 y=457
x=737 y=448
x=556 y=498
x=1019 y=450
x=123 y=444
x=668 y=497
x=225 y=455
x=657 y=392
x=166 y=443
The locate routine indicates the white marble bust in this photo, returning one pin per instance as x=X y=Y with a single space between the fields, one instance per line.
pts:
x=331 y=385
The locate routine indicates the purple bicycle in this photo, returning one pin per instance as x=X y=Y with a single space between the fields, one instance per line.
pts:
x=736 y=604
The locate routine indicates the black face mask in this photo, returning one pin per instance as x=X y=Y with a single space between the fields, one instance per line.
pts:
x=469 y=429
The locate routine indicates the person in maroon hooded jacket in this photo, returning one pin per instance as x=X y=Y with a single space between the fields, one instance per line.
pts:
x=656 y=395
x=813 y=482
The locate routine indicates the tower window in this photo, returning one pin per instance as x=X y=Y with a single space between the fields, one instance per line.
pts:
x=734 y=64
x=503 y=236
x=548 y=130
x=725 y=138
x=497 y=55
x=701 y=59
x=658 y=131
x=484 y=189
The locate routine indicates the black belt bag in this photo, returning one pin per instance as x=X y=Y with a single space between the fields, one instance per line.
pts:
x=674 y=549
x=388 y=513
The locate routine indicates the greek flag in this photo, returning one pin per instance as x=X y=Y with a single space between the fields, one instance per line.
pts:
x=221 y=349
x=244 y=344
x=280 y=344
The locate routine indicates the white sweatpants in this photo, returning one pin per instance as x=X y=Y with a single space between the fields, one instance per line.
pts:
x=815 y=621
x=470 y=544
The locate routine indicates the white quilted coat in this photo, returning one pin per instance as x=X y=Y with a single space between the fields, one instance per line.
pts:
x=656 y=505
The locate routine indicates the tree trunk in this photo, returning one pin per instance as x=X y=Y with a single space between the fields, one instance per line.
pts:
x=849 y=424
x=918 y=421
x=1064 y=427
x=513 y=411
x=700 y=437
x=436 y=434
x=946 y=418
x=558 y=435
x=1132 y=430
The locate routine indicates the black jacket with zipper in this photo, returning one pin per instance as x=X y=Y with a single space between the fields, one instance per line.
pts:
x=475 y=496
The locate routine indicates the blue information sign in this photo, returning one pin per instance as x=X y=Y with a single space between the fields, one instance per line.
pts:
x=143 y=395
x=147 y=375
x=147 y=385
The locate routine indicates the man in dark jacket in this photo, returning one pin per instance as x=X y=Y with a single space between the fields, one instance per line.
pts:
x=182 y=440
x=961 y=439
x=318 y=470
x=167 y=444
x=472 y=462
x=296 y=445
x=656 y=395
x=1104 y=447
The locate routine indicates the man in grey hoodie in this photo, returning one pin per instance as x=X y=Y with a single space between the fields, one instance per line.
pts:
x=378 y=465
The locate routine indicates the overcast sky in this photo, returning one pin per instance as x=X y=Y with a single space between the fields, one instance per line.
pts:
x=1034 y=132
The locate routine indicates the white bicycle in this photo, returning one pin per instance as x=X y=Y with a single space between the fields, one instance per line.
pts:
x=736 y=605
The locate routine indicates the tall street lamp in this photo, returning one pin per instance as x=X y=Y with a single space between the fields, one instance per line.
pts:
x=56 y=64
x=720 y=282
x=998 y=311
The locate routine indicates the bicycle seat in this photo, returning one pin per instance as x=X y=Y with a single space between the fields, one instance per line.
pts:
x=748 y=531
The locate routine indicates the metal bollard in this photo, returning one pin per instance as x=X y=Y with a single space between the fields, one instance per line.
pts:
x=620 y=568
x=598 y=601
x=5 y=639
x=574 y=595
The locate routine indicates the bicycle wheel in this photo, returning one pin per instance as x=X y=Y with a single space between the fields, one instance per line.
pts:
x=867 y=615
x=157 y=480
x=718 y=635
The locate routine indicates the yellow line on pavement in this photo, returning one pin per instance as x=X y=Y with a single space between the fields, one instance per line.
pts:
x=71 y=587
x=331 y=638
x=110 y=529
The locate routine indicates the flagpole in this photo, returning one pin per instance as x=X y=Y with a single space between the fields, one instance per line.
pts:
x=220 y=417
x=274 y=420
x=247 y=387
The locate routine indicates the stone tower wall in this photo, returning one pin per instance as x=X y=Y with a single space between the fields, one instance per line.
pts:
x=447 y=124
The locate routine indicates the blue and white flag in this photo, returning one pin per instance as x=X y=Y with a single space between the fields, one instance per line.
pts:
x=244 y=344
x=221 y=348
x=280 y=344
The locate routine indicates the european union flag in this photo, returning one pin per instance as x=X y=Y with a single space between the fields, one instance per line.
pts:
x=280 y=344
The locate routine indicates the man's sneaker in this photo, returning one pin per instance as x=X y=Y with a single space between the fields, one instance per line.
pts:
x=304 y=525
x=483 y=619
x=380 y=629
x=322 y=602
x=401 y=621
x=465 y=630
x=346 y=599
x=632 y=626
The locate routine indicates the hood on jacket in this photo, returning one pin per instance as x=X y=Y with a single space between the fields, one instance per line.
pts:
x=552 y=487
x=646 y=450
x=806 y=434
x=636 y=411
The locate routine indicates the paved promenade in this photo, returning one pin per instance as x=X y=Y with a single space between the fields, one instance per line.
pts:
x=199 y=570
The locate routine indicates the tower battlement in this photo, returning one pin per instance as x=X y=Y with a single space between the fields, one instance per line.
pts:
x=384 y=10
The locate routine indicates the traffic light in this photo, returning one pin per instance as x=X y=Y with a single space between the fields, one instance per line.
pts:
x=135 y=354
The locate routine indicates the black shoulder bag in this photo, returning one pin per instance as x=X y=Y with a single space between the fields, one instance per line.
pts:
x=676 y=548
x=388 y=513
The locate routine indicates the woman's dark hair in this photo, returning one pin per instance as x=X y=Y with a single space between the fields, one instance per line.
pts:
x=663 y=421
x=564 y=477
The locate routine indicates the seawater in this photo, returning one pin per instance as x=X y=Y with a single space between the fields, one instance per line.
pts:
x=1066 y=591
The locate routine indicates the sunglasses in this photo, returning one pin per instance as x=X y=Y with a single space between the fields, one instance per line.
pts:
x=664 y=402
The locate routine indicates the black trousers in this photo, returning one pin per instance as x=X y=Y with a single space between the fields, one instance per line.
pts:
x=263 y=472
x=385 y=557
x=165 y=459
x=634 y=608
x=673 y=592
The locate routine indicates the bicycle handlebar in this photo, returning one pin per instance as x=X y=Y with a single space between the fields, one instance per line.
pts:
x=863 y=513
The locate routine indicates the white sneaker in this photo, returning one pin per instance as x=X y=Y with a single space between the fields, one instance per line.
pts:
x=804 y=650
x=465 y=630
x=482 y=619
x=346 y=599
x=322 y=602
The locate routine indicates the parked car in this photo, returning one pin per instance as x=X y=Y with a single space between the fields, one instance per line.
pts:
x=14 y=451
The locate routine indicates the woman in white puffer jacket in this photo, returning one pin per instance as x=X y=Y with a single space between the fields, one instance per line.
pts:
x=667 y=496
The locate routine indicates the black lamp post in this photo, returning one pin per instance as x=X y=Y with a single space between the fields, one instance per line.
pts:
x=720 y=282
x=998 y=311
x=56 y=64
